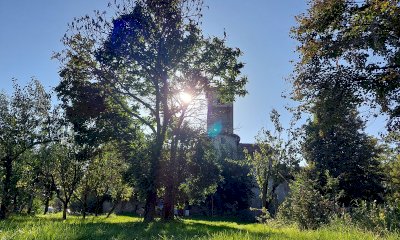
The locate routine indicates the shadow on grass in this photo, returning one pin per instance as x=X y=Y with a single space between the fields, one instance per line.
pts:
x=221 y=219
x=99 y=228
x=160 y=230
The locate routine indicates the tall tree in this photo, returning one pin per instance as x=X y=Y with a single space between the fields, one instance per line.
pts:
x=195 y=170
x=45 y=166
x=335 y=142
x=235 y=190
x=360 y=37
x=67 y=172
x=234 y=193
x=275 y=159
x=146 y=55
x=390 y=158
x=103 y=177
x=25 y=121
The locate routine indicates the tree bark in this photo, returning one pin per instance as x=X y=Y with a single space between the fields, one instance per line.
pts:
x=84 y=205
x=65 y=207
x=16 y=208
x=212 y=205
x=96 y=212
x=264 y=201
x=30 y=204
x=272 y=203
x=150 y=206
x=169 y=196
x=168 y=209
x=265 y=186
x=170 y=191
x=6 y=198
x=151 y=195
x=46 y=205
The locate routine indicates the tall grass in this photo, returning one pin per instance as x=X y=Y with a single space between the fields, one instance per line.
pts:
x=129 y=227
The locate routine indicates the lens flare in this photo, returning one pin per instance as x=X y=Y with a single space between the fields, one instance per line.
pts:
x=185 y=97
x=215 y=129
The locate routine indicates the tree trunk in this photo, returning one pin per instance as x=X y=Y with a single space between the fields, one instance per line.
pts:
x=65 y=207
x=169 y=196
x=272 y=203
x=265 y=185
x=48 y=195
x=264 y=201
x=84 y=205
x=46 y=205
x=212 y=205
x=30 y=204
x=168 y=209
x=96 y=212
x=151 y=195
x=16 y=208
x=113 y=208
x=150 y=206
x=98 y=201
x=6 y=198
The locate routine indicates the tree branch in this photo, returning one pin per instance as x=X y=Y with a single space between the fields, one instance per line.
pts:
x=129 y=111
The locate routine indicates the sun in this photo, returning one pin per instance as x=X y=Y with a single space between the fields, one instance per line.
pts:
x=185 y=97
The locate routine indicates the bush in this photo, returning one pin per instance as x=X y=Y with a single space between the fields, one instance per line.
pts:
x=261 y=215
x=37 y=206
x=310 y=206
x=376 y=217
x=305 y=205
x=310 y=210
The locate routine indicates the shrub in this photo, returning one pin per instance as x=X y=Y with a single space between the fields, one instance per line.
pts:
x=306 y=206
x=370 y=215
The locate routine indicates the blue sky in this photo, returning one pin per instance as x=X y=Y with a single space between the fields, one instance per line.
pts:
x=31 y=30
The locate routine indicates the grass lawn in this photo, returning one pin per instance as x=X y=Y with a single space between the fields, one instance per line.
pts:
x=128 y=227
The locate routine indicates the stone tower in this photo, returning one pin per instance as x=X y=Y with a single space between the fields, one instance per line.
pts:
x=219 y=115
x=220 y=125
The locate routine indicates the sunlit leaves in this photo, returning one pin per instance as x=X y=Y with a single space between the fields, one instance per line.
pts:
x=360 y=37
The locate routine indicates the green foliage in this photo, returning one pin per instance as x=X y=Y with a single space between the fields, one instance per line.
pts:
x=275 y=159
x=393 y=178
x=349 y=56
x=95 y=118
x=390 y=158
x=306 y=206
x=234 y=192
x=103 y=178
x=359 y=38
x=377 y=217
x=335 y=142
x=27 y=177
x=201 y=174
x=26 y=120
x=67 y=173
